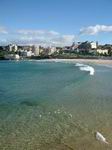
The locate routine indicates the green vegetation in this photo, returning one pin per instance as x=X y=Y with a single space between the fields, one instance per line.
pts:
x=2 y=54
x=76 y=55
x=5 y=52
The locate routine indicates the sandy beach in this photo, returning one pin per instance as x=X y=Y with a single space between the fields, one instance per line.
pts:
x=94 y=61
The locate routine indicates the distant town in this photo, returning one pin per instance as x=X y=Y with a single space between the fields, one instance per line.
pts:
x=76 y=50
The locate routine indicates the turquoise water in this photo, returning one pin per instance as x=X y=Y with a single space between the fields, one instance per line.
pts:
x=51 y=106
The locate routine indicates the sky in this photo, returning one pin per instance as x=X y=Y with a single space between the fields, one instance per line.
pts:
x=55 y=22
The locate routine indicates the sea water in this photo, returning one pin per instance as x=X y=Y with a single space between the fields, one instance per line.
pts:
x=54 y=106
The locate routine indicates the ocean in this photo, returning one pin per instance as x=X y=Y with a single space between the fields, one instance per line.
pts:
x=54 y=105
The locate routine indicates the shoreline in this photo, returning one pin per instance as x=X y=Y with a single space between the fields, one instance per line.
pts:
x=93 y=61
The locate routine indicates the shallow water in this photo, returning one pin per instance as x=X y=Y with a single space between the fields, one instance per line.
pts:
x=51 y=106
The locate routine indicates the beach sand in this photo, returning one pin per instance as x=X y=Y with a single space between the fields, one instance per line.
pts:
x=96 y=61
x=93 y=61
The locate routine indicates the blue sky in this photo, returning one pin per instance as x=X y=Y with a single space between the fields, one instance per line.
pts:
x=58 y=22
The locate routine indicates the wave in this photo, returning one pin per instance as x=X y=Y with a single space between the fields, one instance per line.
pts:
x=79 y=65
x=87 y=68
x=82 y=67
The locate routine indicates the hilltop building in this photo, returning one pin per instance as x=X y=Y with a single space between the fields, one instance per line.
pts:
x=12 y=56
x=94 y=45
x=102 y=51
x=51 y=50
x=13 y=47
x=36 y=50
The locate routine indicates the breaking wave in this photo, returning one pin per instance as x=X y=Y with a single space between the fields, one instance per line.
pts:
x=88 y=68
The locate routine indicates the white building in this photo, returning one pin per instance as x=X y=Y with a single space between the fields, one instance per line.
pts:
x=12 y=56
x=36 y=50
x=52 y=50
x=26 y=53
x=13 y=47
x=93 y=45
x=102 y=51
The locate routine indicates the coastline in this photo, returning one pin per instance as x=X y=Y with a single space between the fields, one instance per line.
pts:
x=95 y=61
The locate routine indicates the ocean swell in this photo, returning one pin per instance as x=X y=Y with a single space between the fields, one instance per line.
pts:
x=88 y=68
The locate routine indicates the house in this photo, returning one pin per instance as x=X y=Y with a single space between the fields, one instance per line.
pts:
x=12 y=47
x=102 y=51
x=12 y=57
x=36 y=50
x=94 y=45
x=51 y=50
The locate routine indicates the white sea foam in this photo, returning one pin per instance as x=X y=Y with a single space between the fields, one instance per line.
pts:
x=89 y=69
x=84 y=67
x=79 y=65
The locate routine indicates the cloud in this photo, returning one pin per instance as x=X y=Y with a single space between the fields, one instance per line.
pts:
x=3 y=30
x=93 y=30
x=64 y=40
x=68 y=38
x=37 y=32
x=55 y=40
x=53 y=33
x=38 y=37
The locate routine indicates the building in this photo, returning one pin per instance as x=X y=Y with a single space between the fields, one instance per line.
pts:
x=36 y=50
x=12 y=57
x=25 y=53
x=51 y=50
x=13 y=47
x=84 y=47
x=74 y=47
x=93 y=45
x=102 y=51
